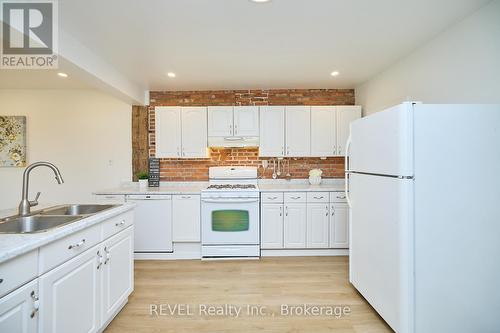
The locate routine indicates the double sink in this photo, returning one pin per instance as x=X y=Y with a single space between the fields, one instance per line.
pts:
x=49 y=218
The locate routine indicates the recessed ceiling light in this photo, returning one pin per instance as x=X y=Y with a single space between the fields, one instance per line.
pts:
x=170 y=74
x=61 y=74
x=334 y=73
x=260 y=1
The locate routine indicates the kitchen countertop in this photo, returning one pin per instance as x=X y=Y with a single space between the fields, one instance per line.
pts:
x=165 y=188
x=13 y=245
x=265 y=185
x=302 y=185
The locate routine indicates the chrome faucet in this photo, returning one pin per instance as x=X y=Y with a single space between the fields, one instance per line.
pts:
x=26 y=204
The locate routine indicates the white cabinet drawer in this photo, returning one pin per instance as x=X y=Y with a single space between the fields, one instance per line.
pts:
x=295 y=197
x=338 y=197
x=272 y=197
x=117 y=224
x=64 y=249
x=319 y=197
x=110 y=198
x=17 y=271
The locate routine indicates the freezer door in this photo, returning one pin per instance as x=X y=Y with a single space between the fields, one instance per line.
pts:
x=382 y=143
x=381 y=245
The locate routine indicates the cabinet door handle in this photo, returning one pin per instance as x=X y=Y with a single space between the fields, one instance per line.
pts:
x=99 y=259
x=286 y=211
x=120 y=224
x=108 y=255
x=282 y=151
x=77 y=245
x=281 y=211
x=1 y=280
x=333 y=211
x=235 y=129
x=327 y=212
x=36 y=304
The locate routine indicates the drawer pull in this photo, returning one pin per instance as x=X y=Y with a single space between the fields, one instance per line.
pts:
x=272 y=198
x=77 y=245
x=186 y=197
x=120 y=224
x=317 y=198
x=294 y=198
x=341 y=197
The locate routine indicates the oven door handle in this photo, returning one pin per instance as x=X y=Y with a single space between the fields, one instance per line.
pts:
x=230 y=200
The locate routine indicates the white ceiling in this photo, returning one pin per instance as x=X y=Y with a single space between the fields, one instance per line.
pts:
x=237 y=44
x=126 y=47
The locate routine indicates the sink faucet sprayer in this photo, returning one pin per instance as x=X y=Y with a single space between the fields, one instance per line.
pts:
x=26 y=204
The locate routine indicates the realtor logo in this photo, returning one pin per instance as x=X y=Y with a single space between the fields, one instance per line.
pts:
x=29 y=34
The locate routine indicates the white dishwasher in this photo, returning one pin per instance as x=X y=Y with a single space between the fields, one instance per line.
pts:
x=153 y=223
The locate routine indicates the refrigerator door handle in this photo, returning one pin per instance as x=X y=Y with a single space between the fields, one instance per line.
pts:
x=347 y=151
x=346 y=183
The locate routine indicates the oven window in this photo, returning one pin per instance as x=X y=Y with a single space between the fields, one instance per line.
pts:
x=230 y=220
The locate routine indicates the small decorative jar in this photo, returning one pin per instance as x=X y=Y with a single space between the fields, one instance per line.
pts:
x=315 y=176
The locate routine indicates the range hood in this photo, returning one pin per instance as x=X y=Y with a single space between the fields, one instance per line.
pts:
x=233 y=141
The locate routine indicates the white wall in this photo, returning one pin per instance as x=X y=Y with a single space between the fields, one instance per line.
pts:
x=85 y=133
x=460 y=65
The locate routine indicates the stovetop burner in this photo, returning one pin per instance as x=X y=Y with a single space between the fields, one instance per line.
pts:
x=231 y=186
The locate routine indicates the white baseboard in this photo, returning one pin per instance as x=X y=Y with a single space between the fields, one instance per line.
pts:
x=182 y=251
x=303 y=252
x=190 y=251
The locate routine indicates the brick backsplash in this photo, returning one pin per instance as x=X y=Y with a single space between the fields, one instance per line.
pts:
x=197 y=169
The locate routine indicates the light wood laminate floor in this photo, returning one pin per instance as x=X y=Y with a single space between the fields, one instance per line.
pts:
x=269 y=283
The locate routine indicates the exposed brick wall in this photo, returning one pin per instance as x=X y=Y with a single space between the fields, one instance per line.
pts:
x=197 y=169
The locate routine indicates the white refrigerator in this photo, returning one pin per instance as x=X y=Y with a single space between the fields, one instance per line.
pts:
x=423 y=184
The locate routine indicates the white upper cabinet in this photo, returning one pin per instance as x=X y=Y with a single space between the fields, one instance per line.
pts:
x=298 y=131
x=220 y=121
x=323 y=131
x=272 y=131
x=194 y=131
x=181 y=132
x=168 y=131
x=246 y=121
x=345 y=115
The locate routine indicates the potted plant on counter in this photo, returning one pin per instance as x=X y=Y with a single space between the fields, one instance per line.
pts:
x=143 y=177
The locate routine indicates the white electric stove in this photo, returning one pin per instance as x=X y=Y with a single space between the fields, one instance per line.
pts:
x=230 y=213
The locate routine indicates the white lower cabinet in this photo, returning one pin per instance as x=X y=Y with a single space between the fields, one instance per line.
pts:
x=70 y=295
x=318 y=220
x=83 y=294
x=339 y=226
x=294 y=228
x=271 y=226
x=18 y=310
x=117 y=273
x=294 y=220
x=186 y=218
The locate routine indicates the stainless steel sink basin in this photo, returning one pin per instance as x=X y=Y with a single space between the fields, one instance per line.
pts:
x=35 y=223
x=76 y=209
